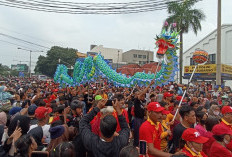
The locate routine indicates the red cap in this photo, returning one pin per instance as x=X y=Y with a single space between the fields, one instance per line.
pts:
x=165 y=112
x=41 y=112
x=167 y=94
x=220 y=129
x=55 y=90
x=192 y=135
x=178 y=98
x=154 y=106
x=226 y=109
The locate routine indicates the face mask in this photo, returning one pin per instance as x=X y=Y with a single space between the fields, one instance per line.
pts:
x=216 y=113
x=194 y=150
x=226 y=142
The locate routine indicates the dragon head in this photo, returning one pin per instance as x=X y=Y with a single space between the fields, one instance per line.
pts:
x=166 y=40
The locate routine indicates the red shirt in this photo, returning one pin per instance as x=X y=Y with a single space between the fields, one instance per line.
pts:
x=151 y=133
x=53 y=97
x=217 y=150
x=208 y=144
x=188 y=152
x=96 y=127
x=226 y=124
x=125 y=114
x=48 y=102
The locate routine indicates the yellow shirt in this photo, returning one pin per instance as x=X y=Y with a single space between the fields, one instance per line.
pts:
x=192 y=153
x=104 y=96
x=164 y=136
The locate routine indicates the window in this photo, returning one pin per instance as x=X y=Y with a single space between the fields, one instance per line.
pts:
x=144 y=56
x=140 y=62
x=144 y=62
x=135 y=55
x=212 y=58
x=140 y=56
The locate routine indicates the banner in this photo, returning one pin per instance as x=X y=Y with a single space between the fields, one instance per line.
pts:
x=227 y=69
x=209 y=68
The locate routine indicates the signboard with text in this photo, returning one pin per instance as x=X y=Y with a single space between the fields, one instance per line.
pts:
x=209 y=68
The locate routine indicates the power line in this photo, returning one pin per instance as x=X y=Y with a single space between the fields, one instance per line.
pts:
x=14 y=44
x=89 y=8
x=26 y=35
x=21 y=40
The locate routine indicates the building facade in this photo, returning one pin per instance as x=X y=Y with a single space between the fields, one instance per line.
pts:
x=112 y=54
x=209 y=44
x=138 y=57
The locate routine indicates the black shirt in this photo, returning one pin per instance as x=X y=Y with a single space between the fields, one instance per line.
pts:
x=95 y=144
x=177 y=133
x=139 y=109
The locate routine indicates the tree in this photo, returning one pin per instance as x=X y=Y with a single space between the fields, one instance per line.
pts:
x=4 y=70
x=47 y=65
x=186 y=18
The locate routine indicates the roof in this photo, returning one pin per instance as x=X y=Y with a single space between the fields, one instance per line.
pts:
x=134 y=50
x=81 y=55
x=131 y=69
x=223 y=26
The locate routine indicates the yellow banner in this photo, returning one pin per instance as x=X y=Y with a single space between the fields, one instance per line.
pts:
x=209 y=68
x=227 y=69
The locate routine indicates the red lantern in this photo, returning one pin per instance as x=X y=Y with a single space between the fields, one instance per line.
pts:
x=200 y=56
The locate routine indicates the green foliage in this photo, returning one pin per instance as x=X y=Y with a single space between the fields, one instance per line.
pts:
x=4 y=70
x=185 y=16
x=14 y=73
x=47 y=65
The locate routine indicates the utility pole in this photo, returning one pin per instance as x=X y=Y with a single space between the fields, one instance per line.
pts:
x=30 y=58
x=218 y=70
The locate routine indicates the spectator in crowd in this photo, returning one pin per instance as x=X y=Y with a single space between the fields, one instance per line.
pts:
x=59 y=134
x=31 y=114
x=129 y=151
x=201 y=119
x=25 y=145
x=215 y=111
x=2 y=151
x=42 y=115
x=150 y=131
x=227 y=121
x=209 y=124
x=65 y=149
x=187 y=114
x=18 y=126
x=192 y=143
x=37 y=134
x=107 y=144
x=222 y=135
x=139 y=111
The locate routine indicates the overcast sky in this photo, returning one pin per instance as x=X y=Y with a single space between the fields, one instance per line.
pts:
x=134 y=31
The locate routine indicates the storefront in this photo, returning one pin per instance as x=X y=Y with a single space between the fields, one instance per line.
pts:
x=208 y=72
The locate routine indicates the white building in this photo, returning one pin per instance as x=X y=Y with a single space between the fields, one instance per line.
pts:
x=209 y=44
x=111 y=54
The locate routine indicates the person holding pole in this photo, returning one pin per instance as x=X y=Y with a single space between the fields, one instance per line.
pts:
x=188 y=116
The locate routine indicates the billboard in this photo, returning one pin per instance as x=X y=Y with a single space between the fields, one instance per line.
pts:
x=20 y=67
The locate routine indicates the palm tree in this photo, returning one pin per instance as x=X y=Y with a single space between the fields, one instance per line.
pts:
x=186 y=18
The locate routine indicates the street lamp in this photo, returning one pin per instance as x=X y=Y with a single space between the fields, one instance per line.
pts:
x=30 y=58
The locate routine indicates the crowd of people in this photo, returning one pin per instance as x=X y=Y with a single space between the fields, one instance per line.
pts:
x=41 y=118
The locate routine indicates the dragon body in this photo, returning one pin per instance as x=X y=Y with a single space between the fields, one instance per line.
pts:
x=90 y=68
